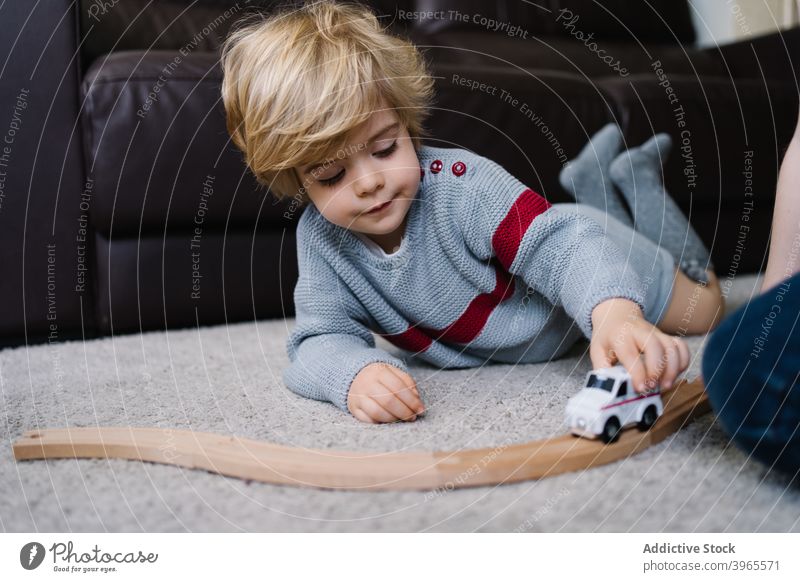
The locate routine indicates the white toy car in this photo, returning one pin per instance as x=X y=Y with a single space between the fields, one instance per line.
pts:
x=608 y=403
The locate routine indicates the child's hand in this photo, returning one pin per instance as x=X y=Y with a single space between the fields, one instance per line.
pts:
x=383 y=393
x=622 y=335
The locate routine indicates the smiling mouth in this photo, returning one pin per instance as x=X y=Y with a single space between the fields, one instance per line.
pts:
x=380 y=207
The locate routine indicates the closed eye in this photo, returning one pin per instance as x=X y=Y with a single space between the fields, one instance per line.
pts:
x=388 y=151
x=333 y=179
x=381 y=154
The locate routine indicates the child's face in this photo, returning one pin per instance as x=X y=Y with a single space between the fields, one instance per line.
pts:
x=374 y=167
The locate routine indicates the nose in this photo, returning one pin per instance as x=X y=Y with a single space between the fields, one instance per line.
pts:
x=368 y=181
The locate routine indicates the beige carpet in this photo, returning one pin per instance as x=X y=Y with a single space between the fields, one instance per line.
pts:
x=226 y=379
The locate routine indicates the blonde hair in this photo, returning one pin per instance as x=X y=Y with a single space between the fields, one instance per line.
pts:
x=296 y=83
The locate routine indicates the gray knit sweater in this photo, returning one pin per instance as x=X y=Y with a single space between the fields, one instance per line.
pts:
x=488 y=270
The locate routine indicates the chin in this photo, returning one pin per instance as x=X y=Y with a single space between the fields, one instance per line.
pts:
x=389 y=228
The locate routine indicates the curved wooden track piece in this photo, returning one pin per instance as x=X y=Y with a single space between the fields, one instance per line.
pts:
x=270 y=463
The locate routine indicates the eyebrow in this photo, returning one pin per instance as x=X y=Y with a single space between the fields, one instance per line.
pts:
x=377 y=134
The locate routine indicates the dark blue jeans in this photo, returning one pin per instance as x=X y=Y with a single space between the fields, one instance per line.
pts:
x=751 y=367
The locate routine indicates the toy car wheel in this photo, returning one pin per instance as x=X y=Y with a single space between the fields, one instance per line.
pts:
x=648 y=418
x=610 y=430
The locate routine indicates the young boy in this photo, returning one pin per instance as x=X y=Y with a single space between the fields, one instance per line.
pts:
x=439 y=250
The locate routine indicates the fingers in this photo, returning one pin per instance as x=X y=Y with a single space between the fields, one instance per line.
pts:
x=654 y=359
x=384 y=393
x=600 y=356
x=683 y=351
x=678 y=359
x=361 y=415
x=375 y=411
x=671 y=362
x=628 y=355
x=650 y=356
x=665 y=358
x=393 y=404
x=405 y=389
x=390 y=399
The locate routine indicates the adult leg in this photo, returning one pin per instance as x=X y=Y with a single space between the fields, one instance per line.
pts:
x=784 y=247
x=751 y=368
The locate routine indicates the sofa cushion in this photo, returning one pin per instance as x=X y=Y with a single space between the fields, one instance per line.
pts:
x=162 y=282
x=158 y=150
x=656 y=21
x=197 y=25
x=601 y=59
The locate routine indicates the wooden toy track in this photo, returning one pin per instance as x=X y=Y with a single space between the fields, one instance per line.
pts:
x=270 y=463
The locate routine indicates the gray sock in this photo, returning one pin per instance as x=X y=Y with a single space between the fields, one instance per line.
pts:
x=587 y=176
x=638 y=175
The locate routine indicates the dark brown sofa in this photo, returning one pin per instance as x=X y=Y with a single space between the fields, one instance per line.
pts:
x=126 y=208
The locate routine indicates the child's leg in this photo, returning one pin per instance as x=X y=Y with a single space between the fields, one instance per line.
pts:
x=696 y=303
x=673 y=302
x=587 y=177
x=654 y=266
x=694 y=307
x=638 y=175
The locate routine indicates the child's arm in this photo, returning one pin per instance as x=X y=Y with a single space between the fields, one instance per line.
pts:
x=568 y=259
x=564 y=256
x=330 y=345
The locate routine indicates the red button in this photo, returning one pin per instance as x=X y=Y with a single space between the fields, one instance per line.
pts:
x=436 y=166
x=459 y=168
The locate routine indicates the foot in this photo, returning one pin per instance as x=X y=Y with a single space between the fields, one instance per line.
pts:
x=587 y=178
x=637 y=173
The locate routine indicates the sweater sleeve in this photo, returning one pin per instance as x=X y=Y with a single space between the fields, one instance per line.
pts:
x=564 y=256
x=330 y=342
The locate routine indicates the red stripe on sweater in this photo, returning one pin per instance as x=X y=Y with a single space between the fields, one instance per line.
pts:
x=412 y=339
x=467 y=326
x=512 y=228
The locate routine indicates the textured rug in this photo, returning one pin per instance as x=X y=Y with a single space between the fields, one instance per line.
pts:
x=227 y=379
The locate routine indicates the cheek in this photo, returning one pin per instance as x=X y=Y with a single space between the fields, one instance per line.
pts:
x=336 y=209
x=321 y=201
x=409 y=169
x=414 y=179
